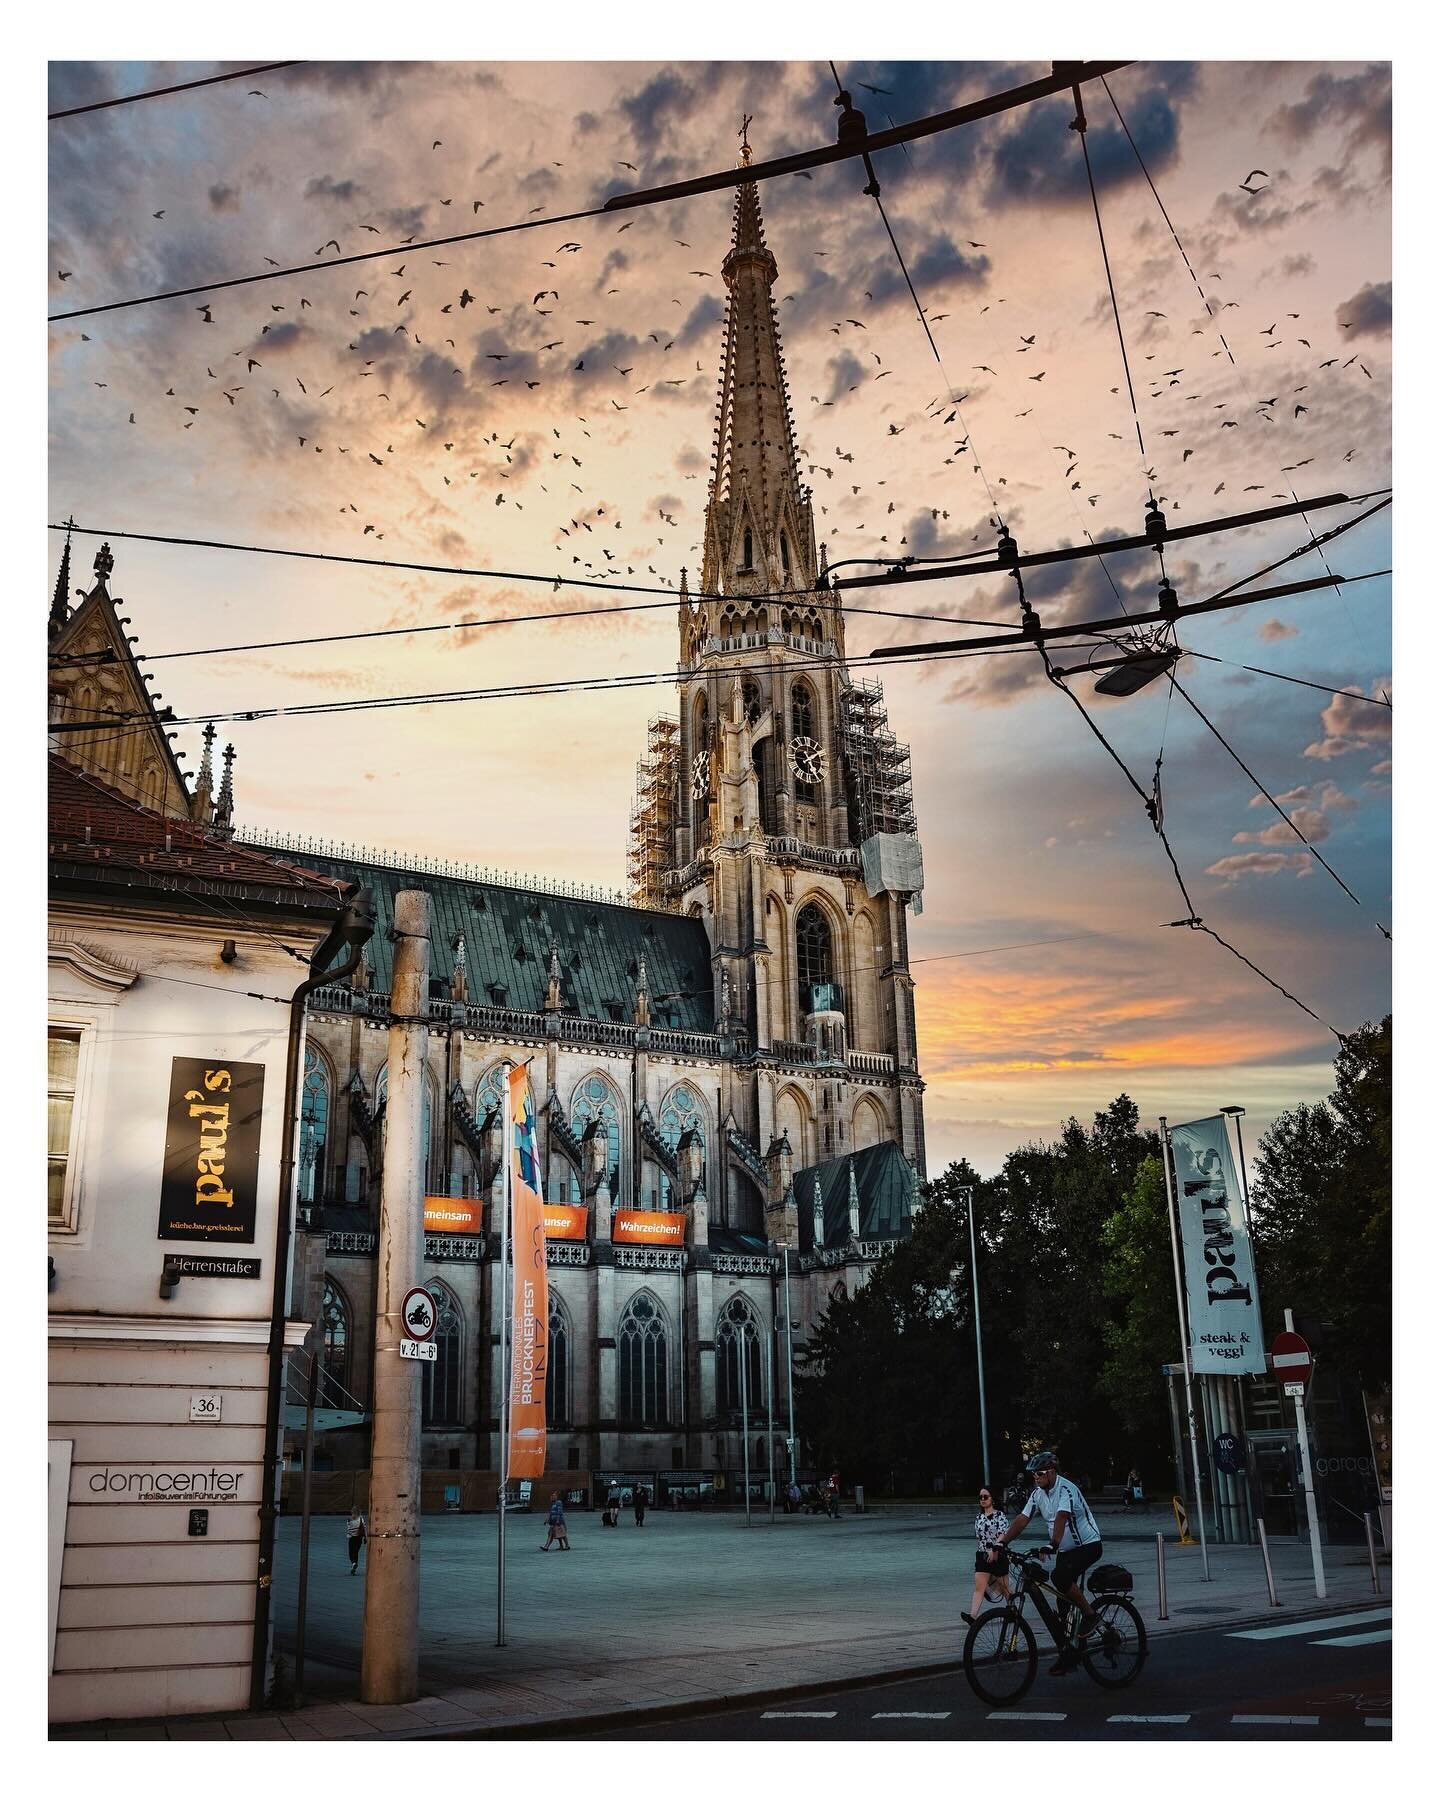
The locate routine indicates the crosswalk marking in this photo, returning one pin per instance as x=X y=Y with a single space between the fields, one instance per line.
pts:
x=1317 y=1626
x=1361 y=1640
x=804 y=1715
x=1377 y=1721
x=909 y=1715
x=1160 y=1720
x=1027 y=1716
x=1282 y=1721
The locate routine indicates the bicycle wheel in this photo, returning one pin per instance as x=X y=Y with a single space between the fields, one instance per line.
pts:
x=1000 y=1658
x=1114 y=1654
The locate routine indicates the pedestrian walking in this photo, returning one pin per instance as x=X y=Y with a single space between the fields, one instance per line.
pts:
x=556 y=1530
x=642 y=1504
x=610 y=1517
x=990 y=1526
x=792 y=1500
x=356 y=1535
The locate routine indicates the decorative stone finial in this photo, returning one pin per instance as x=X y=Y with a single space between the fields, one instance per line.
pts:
x=225 y=804
x=460 y=976
x=553 y=998
x=104 y=567
x=642 y=997
x=60 y=603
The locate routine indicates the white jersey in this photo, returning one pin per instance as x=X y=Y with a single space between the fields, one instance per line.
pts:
x=1080 y=1530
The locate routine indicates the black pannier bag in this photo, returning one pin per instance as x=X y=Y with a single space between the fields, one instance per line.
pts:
x=1110 y=1578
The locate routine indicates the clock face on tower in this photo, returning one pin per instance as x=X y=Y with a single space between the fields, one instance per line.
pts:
x=700 y=775
x=806 y=760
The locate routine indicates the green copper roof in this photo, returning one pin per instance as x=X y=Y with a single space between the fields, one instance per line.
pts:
x=884 y=1184
x=508 y=932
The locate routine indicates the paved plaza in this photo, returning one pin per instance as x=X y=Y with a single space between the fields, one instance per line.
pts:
x=695 y=1608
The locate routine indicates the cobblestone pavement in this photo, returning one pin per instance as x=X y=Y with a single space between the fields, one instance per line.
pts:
x=689 y=1609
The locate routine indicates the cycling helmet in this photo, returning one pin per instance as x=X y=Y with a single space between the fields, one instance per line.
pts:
x=1039 y=1463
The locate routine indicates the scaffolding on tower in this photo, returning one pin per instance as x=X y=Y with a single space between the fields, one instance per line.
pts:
x=877 y=767
x=654 y=815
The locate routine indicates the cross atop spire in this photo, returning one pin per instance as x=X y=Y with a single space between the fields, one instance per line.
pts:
x=745 y=123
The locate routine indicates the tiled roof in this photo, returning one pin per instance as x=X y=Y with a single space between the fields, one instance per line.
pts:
x=508 y=932
x=884 y=1184
x=94 y=827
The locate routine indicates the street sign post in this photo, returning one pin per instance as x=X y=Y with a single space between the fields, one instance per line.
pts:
x=1293 y=1362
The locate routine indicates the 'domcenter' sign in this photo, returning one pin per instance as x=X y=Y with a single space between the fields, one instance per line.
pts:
x=212 y=1150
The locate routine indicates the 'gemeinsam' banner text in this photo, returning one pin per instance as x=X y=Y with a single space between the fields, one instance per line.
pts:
x=529 y=1315
x=1221 y=1295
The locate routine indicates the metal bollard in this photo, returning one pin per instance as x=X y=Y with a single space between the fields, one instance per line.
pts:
x=1160 y=1576
x=1269 y=1573
x=1370 y=1545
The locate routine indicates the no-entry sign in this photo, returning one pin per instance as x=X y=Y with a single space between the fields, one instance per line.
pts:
x=1290 y=1356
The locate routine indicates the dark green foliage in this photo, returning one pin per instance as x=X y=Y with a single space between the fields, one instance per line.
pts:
x=1321 y=1203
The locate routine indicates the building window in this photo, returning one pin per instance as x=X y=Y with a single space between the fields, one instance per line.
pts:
x=680 y=1116
x=737 y=1334
x=64 y=1069
x=314 y=1128
x=749 y=561
x=335 y=1349
x=596 y=1101
x=815 y=955
x=784 y=553
x=557 y=1378
x=644 y=1364
x=440 y=1389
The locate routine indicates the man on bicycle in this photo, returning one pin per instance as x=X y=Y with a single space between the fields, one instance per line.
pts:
x=1074 y=1537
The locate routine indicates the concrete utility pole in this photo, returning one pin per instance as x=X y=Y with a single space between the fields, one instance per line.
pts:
x=390 y=1651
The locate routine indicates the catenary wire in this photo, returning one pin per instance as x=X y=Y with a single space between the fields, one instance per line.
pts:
x=1340 y=692
x=829 y=153
x=1274 y=804
x=179 y=87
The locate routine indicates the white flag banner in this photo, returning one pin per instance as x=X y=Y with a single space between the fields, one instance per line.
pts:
x=1221 y=1295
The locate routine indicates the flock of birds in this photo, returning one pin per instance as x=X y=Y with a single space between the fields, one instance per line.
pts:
x=402 y=348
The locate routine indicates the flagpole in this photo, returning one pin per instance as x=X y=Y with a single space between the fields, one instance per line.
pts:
x=505 y=1302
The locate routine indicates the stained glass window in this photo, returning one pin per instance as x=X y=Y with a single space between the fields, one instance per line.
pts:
x=644 y=1364
x=680 y=1111
x=440 y=1394
x=597 y=1100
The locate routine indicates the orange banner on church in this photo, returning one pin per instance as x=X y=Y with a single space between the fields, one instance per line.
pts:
x=658 y=1228
x=453 y=1216
x=564 y=1223
x=529 y=1314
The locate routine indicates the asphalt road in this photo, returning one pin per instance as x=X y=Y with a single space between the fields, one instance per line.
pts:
x=1324 y=1679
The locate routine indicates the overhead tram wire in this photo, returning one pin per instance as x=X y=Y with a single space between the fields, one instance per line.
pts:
x=956 y=651
x=1340 y=692
x=1269 y=798
x=179 y=87
x=1210 y=313
x=873 y=189
x=731 y=177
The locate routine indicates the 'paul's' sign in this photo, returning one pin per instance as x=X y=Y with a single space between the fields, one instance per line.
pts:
x=212 y=1151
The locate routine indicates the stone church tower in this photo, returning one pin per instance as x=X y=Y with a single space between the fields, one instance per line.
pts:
x=777 y=807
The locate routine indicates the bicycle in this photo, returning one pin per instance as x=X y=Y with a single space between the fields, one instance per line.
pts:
x=1001 y=1658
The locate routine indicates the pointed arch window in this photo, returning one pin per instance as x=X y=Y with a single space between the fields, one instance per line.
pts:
x=440 y=1395
x=802 y=729
x=749 y=559
x=815 y=961
x=644 y=1364
x=314 y=1128
x=335 y=1343
x=680 y=1113
x=737 y=1337
x=490 y=1093
x=557 y=1377
x=596 y=1101
x=784 y=554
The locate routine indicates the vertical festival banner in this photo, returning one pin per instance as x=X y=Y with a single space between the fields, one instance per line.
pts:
x=529 y=1311
x=1220 y=1290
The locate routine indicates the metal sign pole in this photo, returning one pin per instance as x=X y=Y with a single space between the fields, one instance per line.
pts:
x=1312 y=1517
x=504 y=1301
x=790 y=1364
x=1170 y=1211
x=979 y=1350
x=744 y=1334
x=770 y=1418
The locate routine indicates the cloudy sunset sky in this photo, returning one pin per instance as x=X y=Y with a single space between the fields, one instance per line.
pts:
x=520 y=405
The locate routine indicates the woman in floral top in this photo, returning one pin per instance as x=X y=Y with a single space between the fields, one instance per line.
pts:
x=990 y=1525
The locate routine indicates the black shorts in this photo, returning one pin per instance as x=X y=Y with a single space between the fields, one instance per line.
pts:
x=1070 y=1565
x=983 y=1563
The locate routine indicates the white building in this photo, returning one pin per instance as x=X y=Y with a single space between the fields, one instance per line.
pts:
x=165 y=942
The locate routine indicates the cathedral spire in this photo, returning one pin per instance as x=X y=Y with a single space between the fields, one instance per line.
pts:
x=205 y=783
x=225 y=804
x=759 y=534
x=60 y=604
